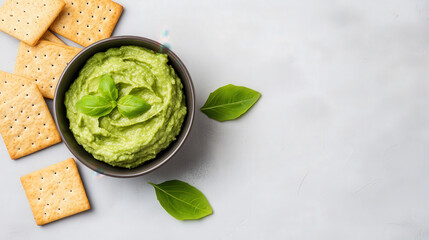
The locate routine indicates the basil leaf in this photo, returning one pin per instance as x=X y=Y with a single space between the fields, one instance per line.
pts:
x=182 y=200
x=229 y=102
x=132 y=106
x=107 y=87
x=95 y=106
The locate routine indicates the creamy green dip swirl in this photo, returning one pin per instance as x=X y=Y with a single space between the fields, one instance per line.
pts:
x=115 y=139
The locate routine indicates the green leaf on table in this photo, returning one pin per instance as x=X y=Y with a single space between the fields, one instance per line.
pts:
x=95 y=106
x=229 y=102
x=131 y=106
x=107 y=87
x=181 y=200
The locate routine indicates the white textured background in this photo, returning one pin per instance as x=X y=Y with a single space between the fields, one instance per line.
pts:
x=336 y=148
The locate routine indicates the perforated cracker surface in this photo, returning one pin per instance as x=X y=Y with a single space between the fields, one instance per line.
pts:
x=11 y=85
x=44 y=63
x=26 y=124
x=28 y=20
x=55 y=192
x=87 y=21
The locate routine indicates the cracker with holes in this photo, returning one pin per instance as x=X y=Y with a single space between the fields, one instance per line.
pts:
x=26 y=124
x=87 y=21
x=44 y=64
x=11 y=85
x=49 y=36
x=55 y=192
x=28 y=20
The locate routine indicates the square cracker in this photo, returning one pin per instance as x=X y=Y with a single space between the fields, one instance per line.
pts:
x=28 y=20
x=26 y=124
x=49 y=36
x=44 y=64
x=55 y=192
x=87 y=21
x=11 y=85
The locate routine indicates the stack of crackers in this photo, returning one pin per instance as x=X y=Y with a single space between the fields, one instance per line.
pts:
x=26 y=124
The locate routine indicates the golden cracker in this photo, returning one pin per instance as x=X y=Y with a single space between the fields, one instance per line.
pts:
x=11 y=85
x=28 y=20
x=26 y=124
x=55 y=192
x=49 y=36
x=44 y=63
x=87 y=21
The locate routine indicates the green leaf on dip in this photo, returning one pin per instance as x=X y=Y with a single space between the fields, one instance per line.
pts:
x=181 y=200
x=132 y=106
x=229 y=102
x=107 y=87
x=95 y=106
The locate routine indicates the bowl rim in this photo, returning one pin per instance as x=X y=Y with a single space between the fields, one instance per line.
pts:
x=190 y=114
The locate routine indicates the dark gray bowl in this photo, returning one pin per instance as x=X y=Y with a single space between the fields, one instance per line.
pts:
x=71 y=72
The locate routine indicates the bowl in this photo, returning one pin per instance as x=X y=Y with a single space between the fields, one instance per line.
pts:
x=70 y=74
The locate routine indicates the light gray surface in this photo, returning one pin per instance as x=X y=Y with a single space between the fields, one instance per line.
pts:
x=337 y=147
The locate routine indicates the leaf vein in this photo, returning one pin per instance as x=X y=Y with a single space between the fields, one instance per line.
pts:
x=178 y=199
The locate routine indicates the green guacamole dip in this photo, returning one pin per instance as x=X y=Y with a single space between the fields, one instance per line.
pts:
x=118 y=140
